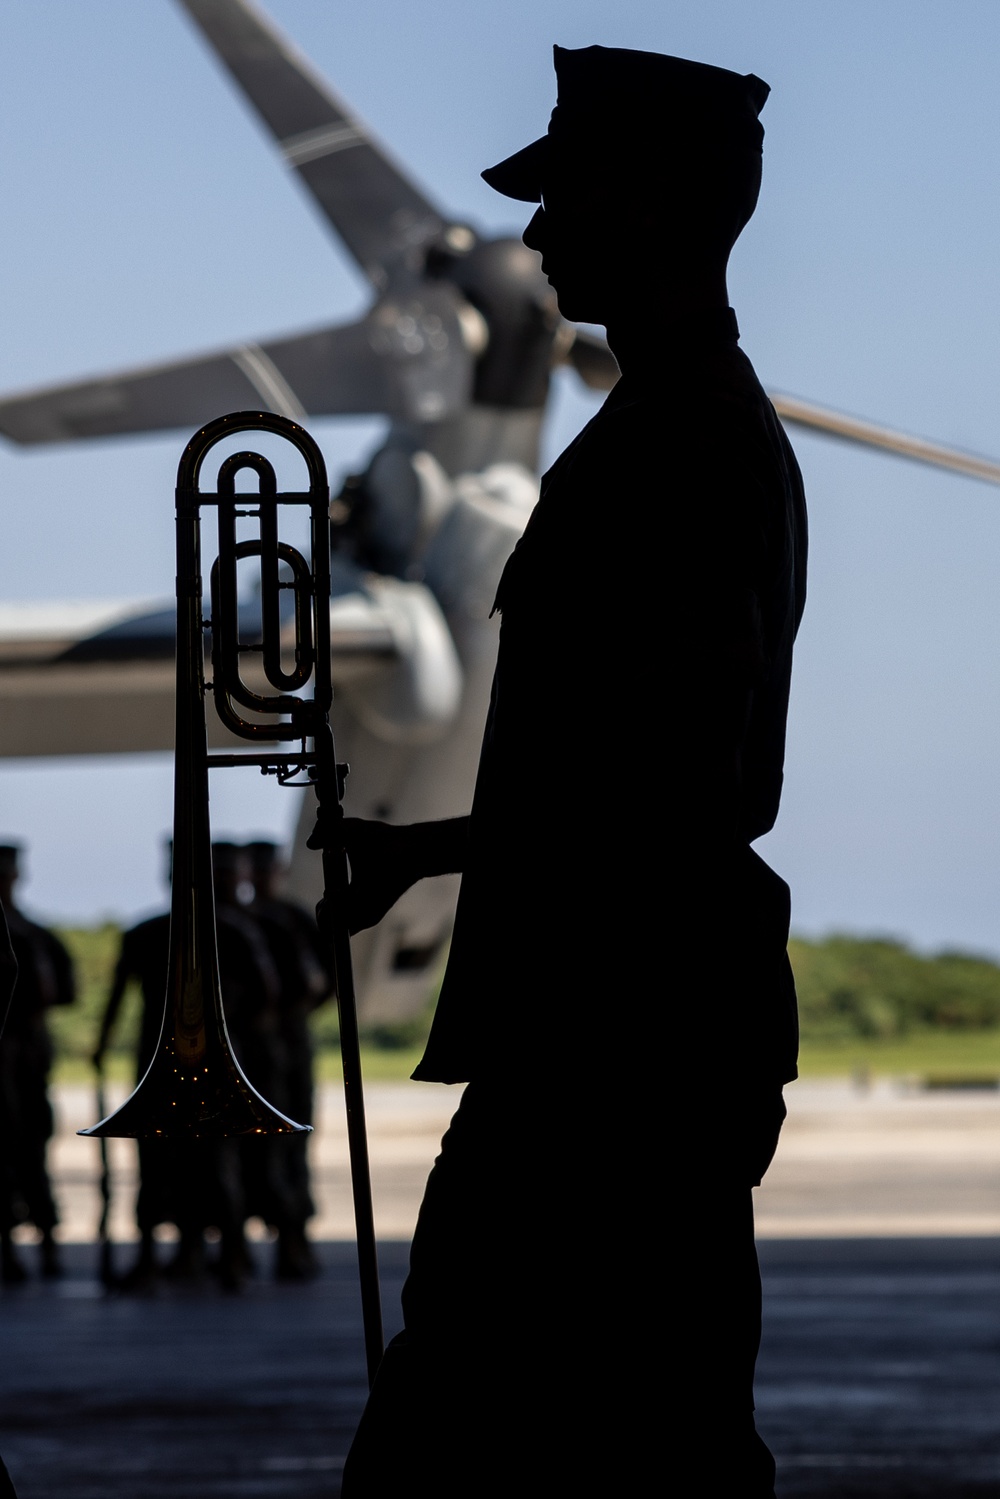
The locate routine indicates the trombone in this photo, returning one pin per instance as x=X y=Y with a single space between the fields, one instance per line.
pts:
x=194 y=1088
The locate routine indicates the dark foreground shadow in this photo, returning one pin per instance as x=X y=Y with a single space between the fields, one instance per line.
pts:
x=191 y=1391
x=878 y=1377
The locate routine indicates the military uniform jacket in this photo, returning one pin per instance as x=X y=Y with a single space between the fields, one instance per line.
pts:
x=635 y=741
x=44 y=979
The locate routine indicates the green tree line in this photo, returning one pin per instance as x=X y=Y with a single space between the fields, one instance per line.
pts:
x=850 y=988
x=879 y=988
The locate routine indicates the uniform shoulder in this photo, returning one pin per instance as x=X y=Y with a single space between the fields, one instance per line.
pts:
x=676 y=405
x=42 y=937
x=151 y=926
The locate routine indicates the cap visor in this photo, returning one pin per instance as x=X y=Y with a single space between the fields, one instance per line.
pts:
x=520 y=176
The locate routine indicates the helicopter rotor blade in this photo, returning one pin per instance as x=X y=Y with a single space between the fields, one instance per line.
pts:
x=184 y=393
x=407 y=359
x=370 y=201
x=871 y=435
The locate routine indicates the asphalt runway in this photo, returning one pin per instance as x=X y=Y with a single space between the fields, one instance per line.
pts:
x=879 y=1373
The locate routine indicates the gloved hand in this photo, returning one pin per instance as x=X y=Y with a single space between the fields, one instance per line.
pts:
x=384 y=862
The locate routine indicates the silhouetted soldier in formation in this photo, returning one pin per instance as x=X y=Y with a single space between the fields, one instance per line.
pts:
x=251 y=991
x=8 y=981
x=293 y=941
x=8 y=970
x=44 y=979
x=8 y=1184
x=142 y=958
x=204 y=1185
x=583 y=1305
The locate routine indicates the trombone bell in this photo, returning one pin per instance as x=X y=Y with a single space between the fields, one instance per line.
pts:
x=194 y=1088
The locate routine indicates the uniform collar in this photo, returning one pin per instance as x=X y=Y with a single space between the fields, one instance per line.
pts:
x=657 y=345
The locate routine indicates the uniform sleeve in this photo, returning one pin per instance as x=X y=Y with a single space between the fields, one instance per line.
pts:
x=124 y=969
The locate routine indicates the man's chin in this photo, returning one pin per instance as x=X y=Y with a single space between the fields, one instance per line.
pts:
x=579 y=305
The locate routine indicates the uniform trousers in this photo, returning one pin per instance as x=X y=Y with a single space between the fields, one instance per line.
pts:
x=583 y=1303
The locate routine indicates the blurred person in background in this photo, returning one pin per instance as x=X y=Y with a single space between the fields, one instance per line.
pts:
x=142 y=958
x=44 y=979
x=251 y=996
x=204 y=1186
x=305 y=983
x=8 y=981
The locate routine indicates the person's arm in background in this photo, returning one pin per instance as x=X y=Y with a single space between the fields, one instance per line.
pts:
x=123 y=972
x=62 y=967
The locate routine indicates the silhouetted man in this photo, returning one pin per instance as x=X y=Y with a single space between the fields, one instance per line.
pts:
x=583 y=1307
x=293 y=941
x=44 y=979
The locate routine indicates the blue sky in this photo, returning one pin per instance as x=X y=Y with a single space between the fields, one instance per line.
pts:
x=147 y=215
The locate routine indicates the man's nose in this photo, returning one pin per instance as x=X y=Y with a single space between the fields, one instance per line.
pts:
x=534 y=234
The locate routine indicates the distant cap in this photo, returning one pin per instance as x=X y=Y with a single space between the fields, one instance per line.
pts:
x=614 y=105
x=9 y=853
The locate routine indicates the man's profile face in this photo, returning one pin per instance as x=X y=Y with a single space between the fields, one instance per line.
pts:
x=583 y=243
x=605 y=245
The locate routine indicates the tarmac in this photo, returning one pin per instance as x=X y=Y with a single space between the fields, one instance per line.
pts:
x=879 y=1375
x=887 y=1160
